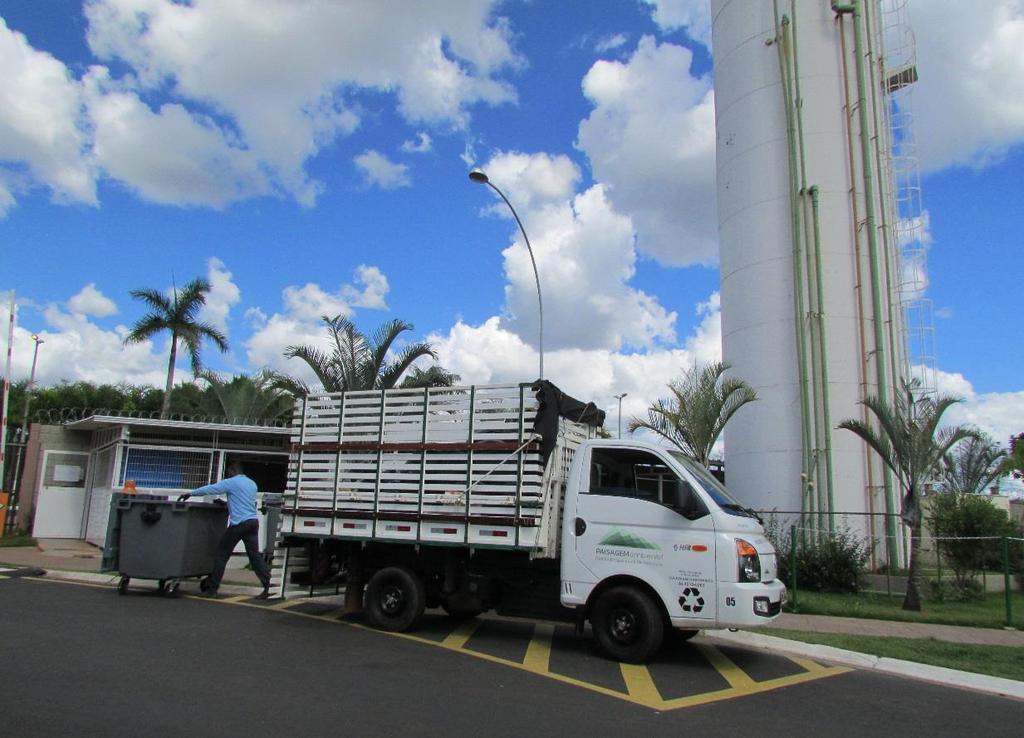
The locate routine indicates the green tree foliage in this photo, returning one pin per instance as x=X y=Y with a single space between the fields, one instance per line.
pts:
x=433 y=376
x=176 y=314
x=1014 y=463
x=243 y=399
x=72 y=400
x=972 y=466
x=910 y=442
x=969 y=530
x=702 y=402
x=355 y=361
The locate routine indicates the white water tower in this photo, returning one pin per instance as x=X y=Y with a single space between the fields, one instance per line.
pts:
x=810 y=215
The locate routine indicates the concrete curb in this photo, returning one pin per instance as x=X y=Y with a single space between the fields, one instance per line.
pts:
x=924 y=672
x=111 y=579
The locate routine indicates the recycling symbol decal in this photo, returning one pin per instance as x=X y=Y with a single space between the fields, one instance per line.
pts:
x=691 y=601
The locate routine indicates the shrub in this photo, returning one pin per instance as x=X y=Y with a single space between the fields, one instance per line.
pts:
x=825 y=562
x=969 y=532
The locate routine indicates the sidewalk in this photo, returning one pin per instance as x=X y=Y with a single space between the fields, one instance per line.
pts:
x=57 y=555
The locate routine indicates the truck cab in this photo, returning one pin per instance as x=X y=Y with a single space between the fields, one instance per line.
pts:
x=651 y=540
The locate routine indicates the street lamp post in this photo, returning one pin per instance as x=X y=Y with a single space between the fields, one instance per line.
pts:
x=478 y=176
x=31 y=383
x=619 y=398
x=16 y=487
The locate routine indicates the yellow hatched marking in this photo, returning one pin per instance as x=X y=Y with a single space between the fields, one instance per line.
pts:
x=754 y=688
x=283 y=605
x=538 y=653
x=737 y=678
x=640 y=685
x=461 y=635
x=236 y=598
x=811 y=666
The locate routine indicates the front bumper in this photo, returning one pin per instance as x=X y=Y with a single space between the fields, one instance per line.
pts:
x=750 y=604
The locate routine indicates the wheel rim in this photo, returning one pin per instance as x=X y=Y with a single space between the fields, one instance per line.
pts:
x=623 y=625
x=392 y=599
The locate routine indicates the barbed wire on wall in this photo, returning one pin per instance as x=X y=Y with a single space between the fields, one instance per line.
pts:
x=61 y=416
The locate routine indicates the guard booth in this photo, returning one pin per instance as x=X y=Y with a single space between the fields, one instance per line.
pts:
x=74 y=469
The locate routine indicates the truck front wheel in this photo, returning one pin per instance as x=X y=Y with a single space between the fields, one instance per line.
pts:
x=395 y=599
x=628 y=625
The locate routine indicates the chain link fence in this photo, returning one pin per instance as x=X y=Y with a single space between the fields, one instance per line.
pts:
x=870 y=552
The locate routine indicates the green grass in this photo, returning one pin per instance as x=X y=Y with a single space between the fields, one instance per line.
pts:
x=17 y=540
x=987 y=612
x=1000 y=661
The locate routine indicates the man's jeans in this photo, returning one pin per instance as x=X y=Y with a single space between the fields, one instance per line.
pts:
x=248 y=531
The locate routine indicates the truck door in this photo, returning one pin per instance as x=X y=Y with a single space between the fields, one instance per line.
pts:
x=640 y=518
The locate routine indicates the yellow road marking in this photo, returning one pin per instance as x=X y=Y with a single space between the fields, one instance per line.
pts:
x=640 y=685
x=737 y=678
x=538 y=653
x=811 y=666
x=641 y=688
x=282 y=605
x=461 y=635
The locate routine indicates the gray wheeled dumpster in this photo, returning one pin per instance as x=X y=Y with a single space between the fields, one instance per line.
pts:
x=151 y=537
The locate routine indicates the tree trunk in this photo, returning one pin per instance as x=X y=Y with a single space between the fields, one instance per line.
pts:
x=912 y=601
x=165 y=409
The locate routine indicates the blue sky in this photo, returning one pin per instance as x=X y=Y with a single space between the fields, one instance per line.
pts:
x=322 y=168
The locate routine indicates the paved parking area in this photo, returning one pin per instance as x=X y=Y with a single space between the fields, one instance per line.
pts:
x=78 y=658
x=685 y=673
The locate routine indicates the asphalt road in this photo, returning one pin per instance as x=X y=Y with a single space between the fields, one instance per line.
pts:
x=81 y=660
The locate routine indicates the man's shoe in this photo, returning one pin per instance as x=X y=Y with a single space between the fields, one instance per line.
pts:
x=264 y=595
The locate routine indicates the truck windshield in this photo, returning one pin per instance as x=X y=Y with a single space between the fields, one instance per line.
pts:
x=714 y=489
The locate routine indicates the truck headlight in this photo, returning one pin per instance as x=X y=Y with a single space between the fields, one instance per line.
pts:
x=749 y=562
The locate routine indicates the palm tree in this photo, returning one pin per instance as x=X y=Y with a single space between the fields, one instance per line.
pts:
x=910 y=442
x=434 y=375
x=973 y=465
x=250 y=399
x=696 y=414
x=356 y=361
x=176 y=314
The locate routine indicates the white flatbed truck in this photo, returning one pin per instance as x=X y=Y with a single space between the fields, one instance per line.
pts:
x=500 y=497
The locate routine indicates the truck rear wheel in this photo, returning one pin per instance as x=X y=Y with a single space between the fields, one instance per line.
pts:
x=628 y=625
x=395 y=599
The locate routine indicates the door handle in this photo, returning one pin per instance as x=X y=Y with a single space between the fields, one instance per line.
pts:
x=581 y=526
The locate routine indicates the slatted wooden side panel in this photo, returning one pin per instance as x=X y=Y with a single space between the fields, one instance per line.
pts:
x=412 y=464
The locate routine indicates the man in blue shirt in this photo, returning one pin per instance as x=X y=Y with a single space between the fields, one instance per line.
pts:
x=243 y=525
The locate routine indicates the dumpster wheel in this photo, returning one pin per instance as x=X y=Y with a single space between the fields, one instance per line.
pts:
x=171 y=588
x=122 y=586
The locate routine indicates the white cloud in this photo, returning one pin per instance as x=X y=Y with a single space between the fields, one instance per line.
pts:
x=169 y=156
x=310 y=302
x=90 y=301
x=610 y=43
x=997 y=413
x=967 y=102
x=375 y=288
x=238 y=110
x=76 y=349
x=379 y=171
x=40 y=125
x=223 y=294
x=490 y=353
x=421 y=145
x=693 y=15
x=300 y=322
x=585 y=259
x=651 y=139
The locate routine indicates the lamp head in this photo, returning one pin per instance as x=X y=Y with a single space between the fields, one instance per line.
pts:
x=37 y=339
x=479 y=176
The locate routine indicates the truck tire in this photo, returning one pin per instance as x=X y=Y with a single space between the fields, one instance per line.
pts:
x=628 y=625
x=395 y=599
